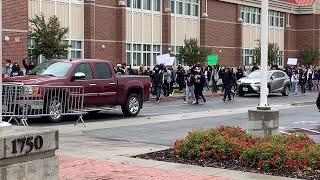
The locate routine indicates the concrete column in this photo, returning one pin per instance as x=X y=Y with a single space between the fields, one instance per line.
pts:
x=166 y=27
x=263 y=123
x=121 y=20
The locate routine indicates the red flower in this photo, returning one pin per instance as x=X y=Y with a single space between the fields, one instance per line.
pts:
x=273 y=162
x=260 y=164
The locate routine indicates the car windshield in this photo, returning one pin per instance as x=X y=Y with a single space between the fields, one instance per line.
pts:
x=56 y=69
x=257 y=74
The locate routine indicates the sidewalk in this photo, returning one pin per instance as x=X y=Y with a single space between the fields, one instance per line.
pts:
x=178 y=96
x=71 y=168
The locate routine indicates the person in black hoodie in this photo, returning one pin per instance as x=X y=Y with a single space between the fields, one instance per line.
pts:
x=157 y=80
x=29 y=67
x=227 y=81
x=200 y=80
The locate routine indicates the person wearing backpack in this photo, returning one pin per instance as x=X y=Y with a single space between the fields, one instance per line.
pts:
x=166 y=81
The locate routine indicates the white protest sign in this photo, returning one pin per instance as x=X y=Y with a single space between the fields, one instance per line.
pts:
x=292 y=61
x=165 y=59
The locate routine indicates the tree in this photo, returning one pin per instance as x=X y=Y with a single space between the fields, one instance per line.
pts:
x=192 y=53
x=273 y=53
x=48 y=37
x=309 y=56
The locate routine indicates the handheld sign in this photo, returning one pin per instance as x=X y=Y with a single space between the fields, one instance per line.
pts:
x=213 y=60
x=292 y=61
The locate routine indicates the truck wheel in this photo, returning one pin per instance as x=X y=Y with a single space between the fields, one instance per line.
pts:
x=132 y=106
x=55 y=107
x=286 y=91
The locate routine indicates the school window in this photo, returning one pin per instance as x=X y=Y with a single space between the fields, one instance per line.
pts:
x=156 y=5
x=187 y=7
x=247 y=54
x=136 y=4
x=175 y=51
x=179 y=6
x=128 y=3
x=136 y=55
x=76 y=49
x=147 y=55
x=280 y=59
x=156 y=52
x=250 y=15
x=172 y=5
x=146 y=4
x=195 y=7
x=128 y=53
x=276 y=19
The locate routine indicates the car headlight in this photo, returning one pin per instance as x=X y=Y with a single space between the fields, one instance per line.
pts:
x=31 y=90
x=239 y=82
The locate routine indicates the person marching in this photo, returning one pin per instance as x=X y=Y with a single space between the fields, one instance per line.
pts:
x=198 y=85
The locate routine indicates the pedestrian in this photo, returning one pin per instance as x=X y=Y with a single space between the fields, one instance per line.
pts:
x=239 y=75
x=16 y=71
x=198 y=85
x=166 y=81
x=316 y=79
x=207 y=76
x=310 y=76
x=295 y=81
x=157 y=76
x=303 y=80
x=142 y=70
x=173 y=81
x=29 y=67
x=119 y=70
x=190 y=80
x=215 y=78
x=227 y=84
x=255 y=67
x=6 y=71
x=180 y=77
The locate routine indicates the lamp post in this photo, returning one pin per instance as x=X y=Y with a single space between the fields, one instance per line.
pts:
x=263 y=121
x=264 y=55
x=2 y=123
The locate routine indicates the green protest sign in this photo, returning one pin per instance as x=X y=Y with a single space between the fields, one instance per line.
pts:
x=213 y=60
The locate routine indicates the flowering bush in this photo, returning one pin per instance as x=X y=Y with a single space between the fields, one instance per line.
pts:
x=223 y=143
x=287 y=152
x=283 y=152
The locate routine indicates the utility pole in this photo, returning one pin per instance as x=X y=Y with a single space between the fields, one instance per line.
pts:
x=264 y=55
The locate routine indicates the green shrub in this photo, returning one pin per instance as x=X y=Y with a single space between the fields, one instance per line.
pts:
x=223 y=143
x=284 y=152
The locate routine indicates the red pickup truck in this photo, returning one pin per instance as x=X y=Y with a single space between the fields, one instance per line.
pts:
x=102 y=88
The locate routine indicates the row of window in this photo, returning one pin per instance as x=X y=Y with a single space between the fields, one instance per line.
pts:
x=186 y=7
x=74 y=52
x=248 y=57
x=149 y=5
x=102 y=71
x=252 y=15
x=146 y=54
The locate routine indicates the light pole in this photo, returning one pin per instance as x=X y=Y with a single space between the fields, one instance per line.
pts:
x=263 y=121
x=2 y=123
x=264 y=55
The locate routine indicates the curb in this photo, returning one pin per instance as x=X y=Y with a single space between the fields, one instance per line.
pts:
x=303 y=103
x=179 y=97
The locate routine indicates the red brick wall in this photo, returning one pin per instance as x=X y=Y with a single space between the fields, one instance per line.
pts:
x=15 y=26
x=105 y=25
x=221 y=31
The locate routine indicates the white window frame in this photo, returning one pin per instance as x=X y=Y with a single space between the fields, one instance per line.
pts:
x=246 y=54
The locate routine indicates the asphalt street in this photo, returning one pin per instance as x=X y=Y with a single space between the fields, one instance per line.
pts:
x=165 y=122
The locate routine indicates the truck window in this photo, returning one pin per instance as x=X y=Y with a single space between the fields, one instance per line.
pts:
x=86 y=69
x=103 y=71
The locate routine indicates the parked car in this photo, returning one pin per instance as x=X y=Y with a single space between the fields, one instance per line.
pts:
x=102 y=88
x=278 y=82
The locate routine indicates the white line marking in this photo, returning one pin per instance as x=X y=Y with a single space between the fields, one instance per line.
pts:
x=310 y=130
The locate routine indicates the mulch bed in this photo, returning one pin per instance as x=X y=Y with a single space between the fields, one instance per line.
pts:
x=168 y=156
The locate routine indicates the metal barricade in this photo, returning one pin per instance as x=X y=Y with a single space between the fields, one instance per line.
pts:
x=52 y=102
